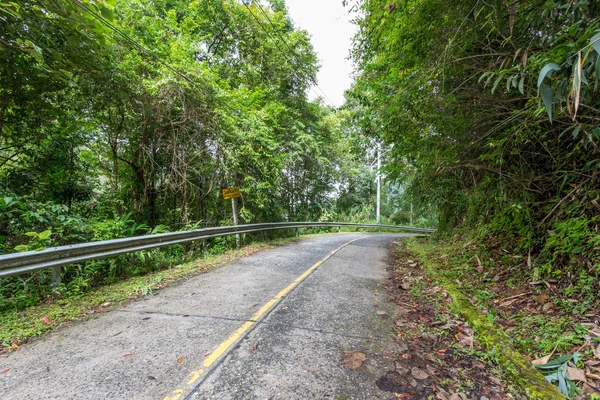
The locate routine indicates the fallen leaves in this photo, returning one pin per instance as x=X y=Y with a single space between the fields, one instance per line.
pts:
x=576 y=374
x=589 y=389
x=542 y=360
x=15 y=346
x=307 y=368
x=432 y=355
x=127 y=355
x=406 y=284
x=254 y=347
x=418 y=373
x=466 y=337
x=5 y=371
x=597 y=352
x=542 y=298
x=46 y=321
x=441 y=394
x=353 y=359
x=179 y=360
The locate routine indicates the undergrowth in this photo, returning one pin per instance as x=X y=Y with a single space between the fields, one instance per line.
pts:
x=543 y=301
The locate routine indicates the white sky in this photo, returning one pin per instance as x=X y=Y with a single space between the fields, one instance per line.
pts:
x=328 y=23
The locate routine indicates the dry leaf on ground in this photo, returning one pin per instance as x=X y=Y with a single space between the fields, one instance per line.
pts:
x=576 y=374
x=127 y=355
x=589 y=389
x=418 y=373
x=15 y=346
x=543 y=360
x=180 y=360
x=542 y=298
x=597 y=351
x=466 y=339
x=353 y=359
x=5 y=371
x=441 y=394
x=307 y=368
x=46 y=321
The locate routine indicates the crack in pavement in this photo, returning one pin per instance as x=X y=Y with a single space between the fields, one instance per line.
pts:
x=316 y=330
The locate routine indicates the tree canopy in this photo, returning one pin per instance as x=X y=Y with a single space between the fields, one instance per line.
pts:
x=492 y=110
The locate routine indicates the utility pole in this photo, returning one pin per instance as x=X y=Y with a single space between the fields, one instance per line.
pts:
x=233 y=194
x=378 y=182
x=234 y=207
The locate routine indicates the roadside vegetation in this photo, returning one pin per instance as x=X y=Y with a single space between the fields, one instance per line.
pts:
x=489 y=111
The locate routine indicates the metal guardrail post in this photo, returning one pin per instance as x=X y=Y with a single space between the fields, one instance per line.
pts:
x=56 y=279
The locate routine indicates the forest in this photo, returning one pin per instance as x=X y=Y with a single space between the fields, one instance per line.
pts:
x=128 y=118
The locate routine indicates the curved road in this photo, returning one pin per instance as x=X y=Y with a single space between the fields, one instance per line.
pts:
x=274 y=325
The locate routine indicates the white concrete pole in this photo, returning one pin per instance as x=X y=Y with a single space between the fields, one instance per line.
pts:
x=378 y=183
x=235 y=220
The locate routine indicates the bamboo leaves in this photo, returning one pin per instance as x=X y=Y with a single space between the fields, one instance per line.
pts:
x=576 y=91
x=545 y=88
x=546 y=93
x=595 y=42
x=547 y=71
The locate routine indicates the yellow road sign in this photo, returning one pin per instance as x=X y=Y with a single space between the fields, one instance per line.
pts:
x=230 y=193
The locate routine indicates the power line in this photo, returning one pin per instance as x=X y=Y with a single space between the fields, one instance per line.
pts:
x=140 y=47
x=278 y=48
x=296 y=57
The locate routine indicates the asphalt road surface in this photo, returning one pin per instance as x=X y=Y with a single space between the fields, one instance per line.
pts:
x=274 y=325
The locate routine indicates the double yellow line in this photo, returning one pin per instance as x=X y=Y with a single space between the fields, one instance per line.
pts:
x=222 y=349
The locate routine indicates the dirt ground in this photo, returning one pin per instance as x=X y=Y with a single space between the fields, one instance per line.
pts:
x=437 y=356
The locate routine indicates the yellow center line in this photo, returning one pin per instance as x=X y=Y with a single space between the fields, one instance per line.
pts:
x=227 y=344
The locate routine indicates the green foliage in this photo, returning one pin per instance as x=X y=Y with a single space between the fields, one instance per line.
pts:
x=556 y=371
x=490 y=110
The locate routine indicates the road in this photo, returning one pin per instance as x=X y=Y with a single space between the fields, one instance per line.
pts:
x=274 y=325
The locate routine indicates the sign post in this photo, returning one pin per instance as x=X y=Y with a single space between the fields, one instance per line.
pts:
x=233 y=194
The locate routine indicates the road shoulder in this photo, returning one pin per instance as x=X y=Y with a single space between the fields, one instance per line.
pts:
x=438 y=353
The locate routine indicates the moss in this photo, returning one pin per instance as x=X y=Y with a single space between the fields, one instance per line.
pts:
x=520 y=371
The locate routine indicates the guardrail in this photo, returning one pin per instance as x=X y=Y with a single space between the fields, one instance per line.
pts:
x=55 y=257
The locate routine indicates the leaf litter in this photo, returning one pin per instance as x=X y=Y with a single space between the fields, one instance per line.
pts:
x=353 y=359
x=435 y=357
